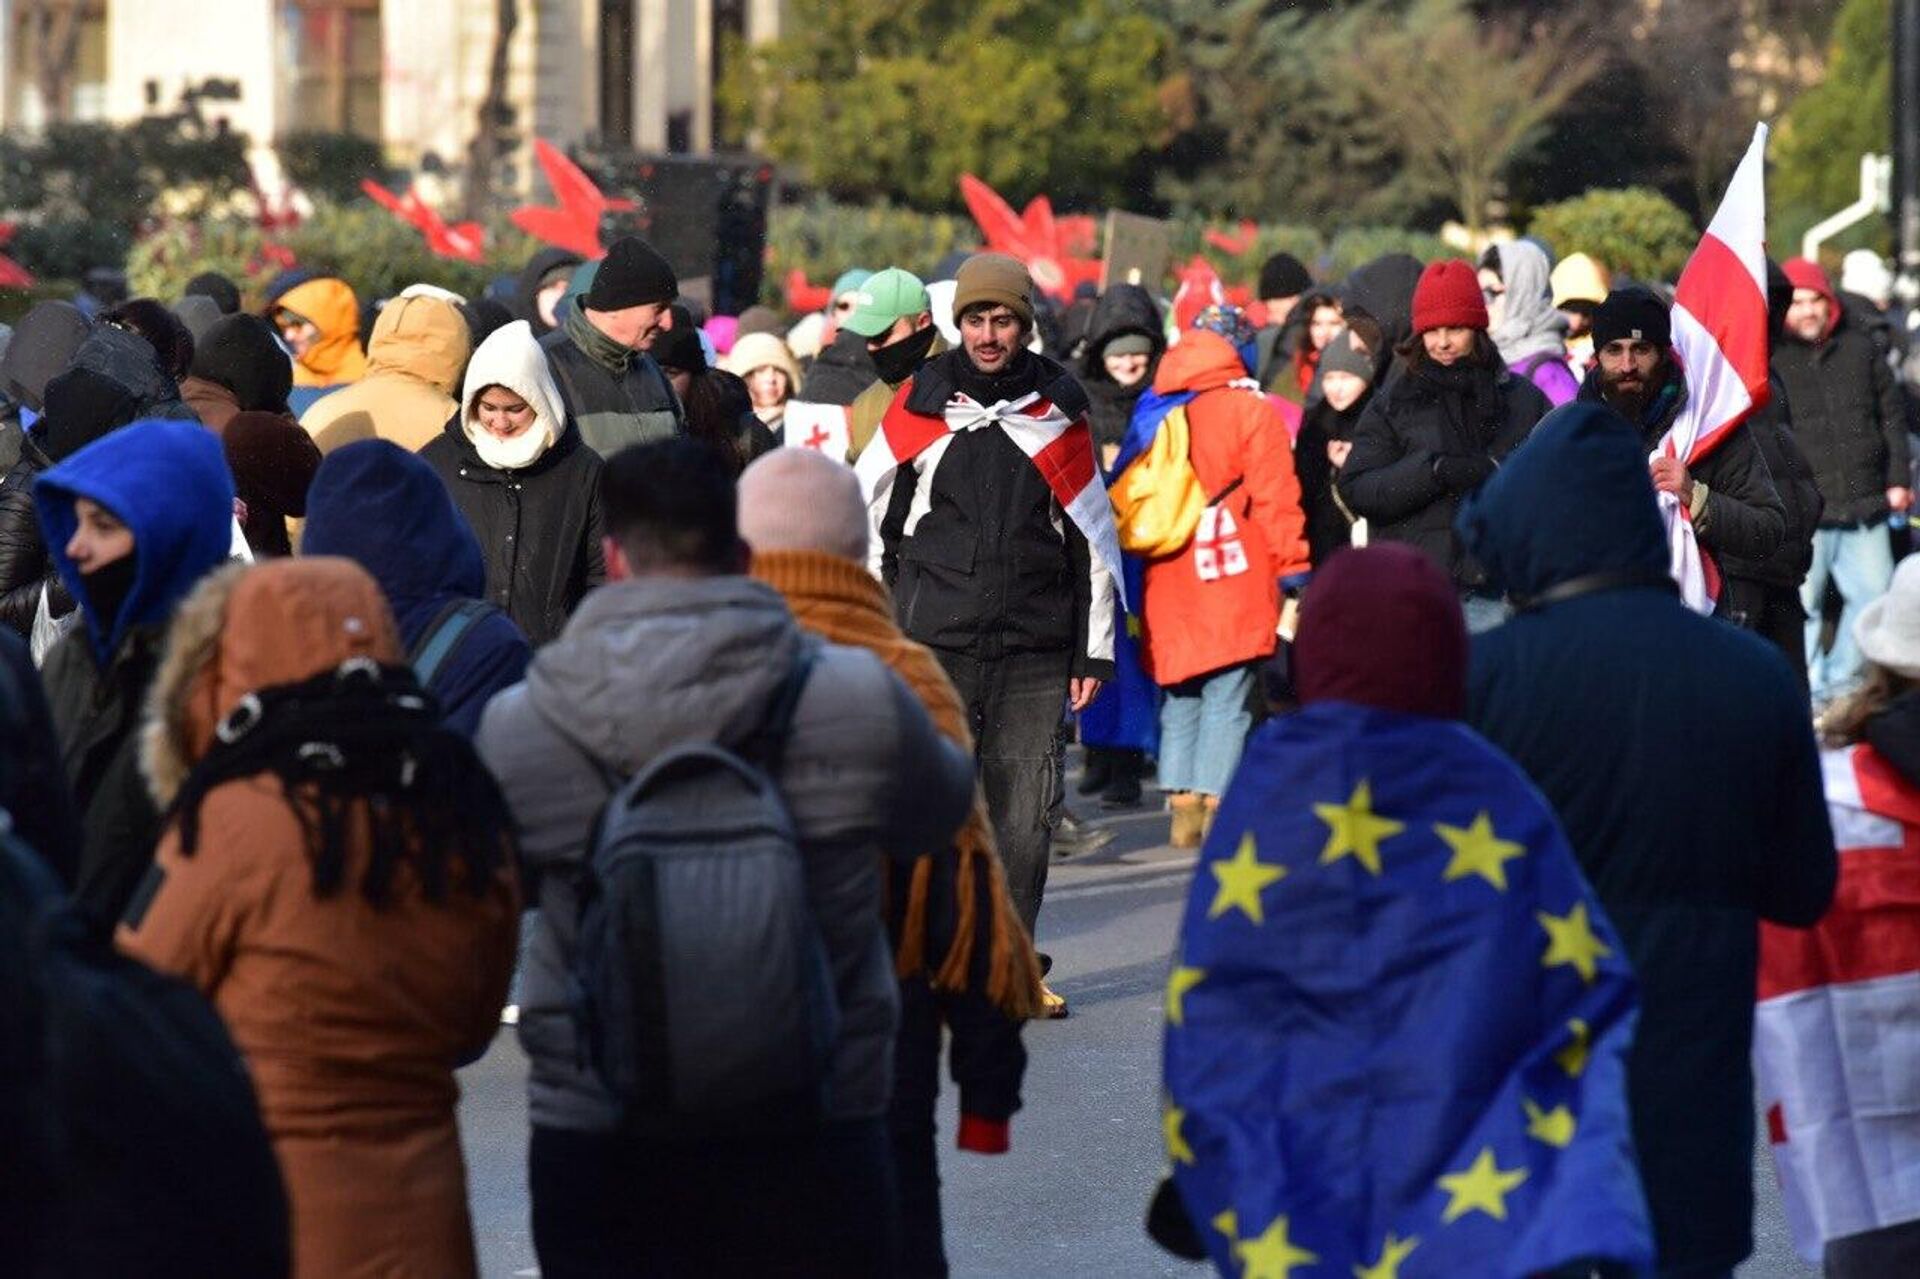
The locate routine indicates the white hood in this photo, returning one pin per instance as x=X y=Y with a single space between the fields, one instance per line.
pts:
x=511 y=357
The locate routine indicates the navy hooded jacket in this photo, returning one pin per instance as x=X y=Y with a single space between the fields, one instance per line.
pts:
x=382 y=507
x=1678 y=751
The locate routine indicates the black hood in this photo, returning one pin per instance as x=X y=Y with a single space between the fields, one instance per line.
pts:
x=242 y=353
x=1383 y=288
x=526 y=286
x=1124 y=308
x=43 y=345
x=1574 y=500
x=841 y=371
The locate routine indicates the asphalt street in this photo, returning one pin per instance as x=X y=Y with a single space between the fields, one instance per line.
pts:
x=1068 y=1199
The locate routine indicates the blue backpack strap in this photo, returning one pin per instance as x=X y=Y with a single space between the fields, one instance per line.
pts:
x=442 y=638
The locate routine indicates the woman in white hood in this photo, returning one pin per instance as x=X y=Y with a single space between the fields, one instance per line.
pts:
x=523 y=479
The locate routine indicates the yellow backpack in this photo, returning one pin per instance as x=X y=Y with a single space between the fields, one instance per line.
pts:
x=1157 y=500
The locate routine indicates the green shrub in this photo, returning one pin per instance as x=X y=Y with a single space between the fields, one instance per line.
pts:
x=1356 y=246
x=823 y=239
x=1633 y=232
x=330 y=166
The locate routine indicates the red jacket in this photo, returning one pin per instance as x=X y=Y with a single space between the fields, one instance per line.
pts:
x=1217 y=602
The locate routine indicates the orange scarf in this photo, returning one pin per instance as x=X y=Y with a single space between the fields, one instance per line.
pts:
x=839 y=601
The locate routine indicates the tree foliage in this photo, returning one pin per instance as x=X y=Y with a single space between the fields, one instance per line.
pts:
x=898 y=98
x=1817 y=148
x=1636 y=232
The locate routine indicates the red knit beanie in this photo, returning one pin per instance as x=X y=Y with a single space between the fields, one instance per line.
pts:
x=1448 y=297
x=1381 y=627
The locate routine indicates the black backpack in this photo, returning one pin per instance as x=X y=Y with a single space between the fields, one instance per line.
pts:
x=702 y=994
x=135 y=1141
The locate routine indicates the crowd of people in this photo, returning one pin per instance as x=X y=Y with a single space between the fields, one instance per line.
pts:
x=695 y=693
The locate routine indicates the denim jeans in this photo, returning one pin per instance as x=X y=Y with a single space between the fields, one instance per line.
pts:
x=1859 y=561
x=1203 y=728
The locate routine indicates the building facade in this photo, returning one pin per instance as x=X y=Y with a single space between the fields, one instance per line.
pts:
x=411 y=75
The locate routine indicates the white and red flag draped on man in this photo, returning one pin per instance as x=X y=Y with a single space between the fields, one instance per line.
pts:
x=1720 y=336
x=1836 y=1044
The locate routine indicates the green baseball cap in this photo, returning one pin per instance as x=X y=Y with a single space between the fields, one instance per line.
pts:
x=883 y=299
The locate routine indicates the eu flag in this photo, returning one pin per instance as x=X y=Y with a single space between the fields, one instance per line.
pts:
x=1398 y=1020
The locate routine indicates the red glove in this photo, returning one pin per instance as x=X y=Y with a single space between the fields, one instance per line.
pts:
x=985 y=1136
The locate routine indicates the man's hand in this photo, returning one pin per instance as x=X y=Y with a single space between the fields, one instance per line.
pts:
x=1900 y=499
x=1337 y=451
x=1081 y=692
x=1670 y=476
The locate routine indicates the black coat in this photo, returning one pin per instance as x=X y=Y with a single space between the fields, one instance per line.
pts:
x=539 y=528
x=1328 y=525
x=33 y=787
x=839 y=373
x=1390 y=479
x=1679 y=756
x=1849 y=420
x=24 y=563
x=1743 y=516
x=1772 y=431
x=1122 y=309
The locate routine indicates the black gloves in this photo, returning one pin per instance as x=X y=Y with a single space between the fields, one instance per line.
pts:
x=1462 y=472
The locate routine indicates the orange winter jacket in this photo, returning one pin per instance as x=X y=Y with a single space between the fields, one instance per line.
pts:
x=1216 y=603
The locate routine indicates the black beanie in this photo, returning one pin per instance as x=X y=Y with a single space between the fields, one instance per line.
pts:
x=1632 y=314
x=212 y=284
x=1284 y=276
x=632 y=274
x=241 y=353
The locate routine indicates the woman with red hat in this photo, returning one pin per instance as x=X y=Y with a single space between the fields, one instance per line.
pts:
x=1448 y=415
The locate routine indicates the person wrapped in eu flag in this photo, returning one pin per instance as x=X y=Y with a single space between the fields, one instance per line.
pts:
x=1398 y=1019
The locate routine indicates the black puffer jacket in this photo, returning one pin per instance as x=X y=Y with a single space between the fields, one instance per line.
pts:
x=539 y=528
x=1800 y=500
x=24 y=563
x=1743 y=517
x=1391 y=478
x=840 y=372
x=1122 y=309
x=1849 y=420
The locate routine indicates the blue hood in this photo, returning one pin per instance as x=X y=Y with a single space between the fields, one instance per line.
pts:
x=168 y=482
x=384 y=508
x=1575 y=499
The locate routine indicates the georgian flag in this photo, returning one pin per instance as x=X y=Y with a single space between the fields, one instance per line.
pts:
x=1720 y=336
x=824 y=428
x=1836 y=1036
x=1060 y=448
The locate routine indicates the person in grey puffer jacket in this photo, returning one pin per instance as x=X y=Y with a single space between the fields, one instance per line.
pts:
x=681 y=648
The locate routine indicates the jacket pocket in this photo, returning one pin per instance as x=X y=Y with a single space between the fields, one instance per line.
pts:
x=946 y=545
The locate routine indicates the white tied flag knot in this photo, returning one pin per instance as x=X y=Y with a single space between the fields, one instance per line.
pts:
x=1720 y=337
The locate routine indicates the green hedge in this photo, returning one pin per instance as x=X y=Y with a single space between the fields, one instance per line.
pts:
x=1632 y=232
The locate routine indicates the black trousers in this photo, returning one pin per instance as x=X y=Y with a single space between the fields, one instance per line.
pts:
x=914 y=1131
x=1771 y=612
x=607 y=1206
x=1014 y=705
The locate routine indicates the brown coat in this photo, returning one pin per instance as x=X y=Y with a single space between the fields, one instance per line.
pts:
x=415 y=358
x=351 y=1018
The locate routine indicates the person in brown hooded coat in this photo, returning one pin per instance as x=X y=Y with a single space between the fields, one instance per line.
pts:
x=337 y=876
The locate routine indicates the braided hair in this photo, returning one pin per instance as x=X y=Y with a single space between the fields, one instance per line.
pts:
x=363 y=739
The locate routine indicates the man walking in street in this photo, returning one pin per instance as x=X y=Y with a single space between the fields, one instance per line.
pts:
x=614 y=391
x=997 y=541
x=1678 y=754
x=1851 y=425
x=1730 y=496
x=678 y=650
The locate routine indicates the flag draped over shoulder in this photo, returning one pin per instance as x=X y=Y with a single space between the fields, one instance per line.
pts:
x=1398 y=1020
x=1837 y=1033
x=1720 y=335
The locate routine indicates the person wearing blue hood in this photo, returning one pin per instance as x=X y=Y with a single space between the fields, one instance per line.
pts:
x=382 y=507
x=1679 y=755
x=132 y=520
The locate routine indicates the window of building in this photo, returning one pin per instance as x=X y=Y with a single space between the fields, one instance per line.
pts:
x=332 y=65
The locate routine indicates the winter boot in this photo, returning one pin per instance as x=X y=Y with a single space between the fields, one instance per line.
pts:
x=1189 y=820
x=1209 y=809
x=1123 y=789
x=1097 y=771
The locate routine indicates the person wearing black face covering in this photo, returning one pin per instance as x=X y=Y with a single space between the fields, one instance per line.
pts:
x=892 y=313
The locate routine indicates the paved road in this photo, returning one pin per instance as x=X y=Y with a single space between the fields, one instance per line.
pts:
x=1067 y=1201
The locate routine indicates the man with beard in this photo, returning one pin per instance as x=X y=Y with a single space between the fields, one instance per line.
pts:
x=1729 y=494
x=998 y=543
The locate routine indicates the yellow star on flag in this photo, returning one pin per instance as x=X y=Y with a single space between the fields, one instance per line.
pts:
x=1478 y=850
x=1227 y=1223
x=1554 y=1127
x=1241 y=880
x=1272 y=1255
x=1570 y=941
x=1573 y=1058
x=1177 y=1148
x=1392 y=1253
x=1354 y=830
x=1183 y=980
x=1482 y=1187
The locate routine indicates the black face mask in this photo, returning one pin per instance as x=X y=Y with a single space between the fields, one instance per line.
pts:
x=107 y=589
x=898 y=361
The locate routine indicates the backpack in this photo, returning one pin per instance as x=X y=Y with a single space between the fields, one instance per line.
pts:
x=443 y=637
x=132 y=1110
x=702 y=995
x=1157 y=499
